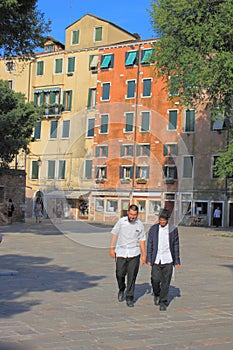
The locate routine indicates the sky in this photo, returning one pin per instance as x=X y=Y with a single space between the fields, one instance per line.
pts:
x=131 y=15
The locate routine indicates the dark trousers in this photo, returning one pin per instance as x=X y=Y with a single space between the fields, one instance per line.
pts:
x=129 y=267
x=161 y=275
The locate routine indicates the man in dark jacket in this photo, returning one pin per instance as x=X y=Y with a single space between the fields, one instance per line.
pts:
x=162 y=254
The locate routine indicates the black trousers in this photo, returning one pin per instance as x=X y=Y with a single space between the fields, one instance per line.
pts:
x=161 y=275
x=129 y=267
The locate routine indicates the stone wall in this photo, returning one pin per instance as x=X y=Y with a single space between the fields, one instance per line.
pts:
x=12 y=185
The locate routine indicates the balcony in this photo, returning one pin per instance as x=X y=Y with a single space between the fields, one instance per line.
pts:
x=100 y=181
x=125 y=180
x=169 y=181
x=51 y=110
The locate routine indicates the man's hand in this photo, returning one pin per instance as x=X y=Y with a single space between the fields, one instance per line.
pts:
x=112 y=252
x=177 y=265
x=143 y=259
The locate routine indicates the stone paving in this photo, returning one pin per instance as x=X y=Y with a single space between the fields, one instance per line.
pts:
x=62 y=292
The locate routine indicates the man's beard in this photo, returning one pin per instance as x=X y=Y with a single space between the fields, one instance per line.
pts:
x=131 y=220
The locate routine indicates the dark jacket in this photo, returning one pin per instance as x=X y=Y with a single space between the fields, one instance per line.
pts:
x=152 y=244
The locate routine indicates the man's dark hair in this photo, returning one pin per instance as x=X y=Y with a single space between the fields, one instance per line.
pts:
x=133 y=207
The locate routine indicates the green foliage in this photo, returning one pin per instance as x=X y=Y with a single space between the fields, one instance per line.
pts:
x=196 y=46
x=224 y=163
x=17 y=120
x=22 y=27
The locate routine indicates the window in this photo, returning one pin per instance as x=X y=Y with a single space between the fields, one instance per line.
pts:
x=67 y=100
x=2 y=194
x=214 y=169
x=10 y=66
x=170 y=172
x=101 y=172
x=37 y=131
x=129 y=122
x=107 y=61
x=71 y=65
x=90 y=127
x=51 y=170
x=105 y=91
x=170 y=149
x=200 y=208
x=53 y=129
x=131 y=58
x=50 y=99
x=99 y=204
x=190 y=120
x=104 y=124
x=101 y=151
x=75 y=37
x=188 y=167
x=98 y=34
x=10 y=84
x=61 y=169
x=112 y=206
x=131 y=88
x=126 y=172
x=35 y=170
x=91 y=98
x=142 y=172
x=172 y=125
x=141 y=206
x=145 y=121
x=40 y=68
x=65 y=128
x=154 y=207
x=93 y=62
x=88 y=169
x=143 y=150
x=146 y=87
x=58 y=65
x=49 y=48
x=147 y=56
x=174 y=86
x=126 y=151
x=218 y=121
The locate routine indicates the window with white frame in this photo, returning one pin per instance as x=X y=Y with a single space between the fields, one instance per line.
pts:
x=37 y=130
x=112 y=206
x=58 y=65
x=126 y=150
x=91 y=98
x=190 y=120
x=53 y=129
x=101 y=151
x=131 y=58
x=172 y=123
x=129 y=116
x=131 y=84
x=141 y=206
x=71 y=65
x=99 y=205
x=154 y=207
x=107 y=61
x=98 y=34
x=10 y=66
x=35 y=170
x=101 y=172
x=143 y=150
x=61 y=169
x=145 y=126
x=170 y=172
x=40 y=68
x=146 y=56
x=93 y=63
x=75 y=37
x=105 y=92
x=126 y=172
x=170 y=149
x=188 y=165
x=65 y=129
x=146 y=87
x=142 y=172
x=104 y=123
x=51 y=170
x=67 y=100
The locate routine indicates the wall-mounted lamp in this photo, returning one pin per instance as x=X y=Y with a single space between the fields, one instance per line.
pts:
x=39 y=162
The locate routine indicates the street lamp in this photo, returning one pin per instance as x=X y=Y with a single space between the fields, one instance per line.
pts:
x=39 y=162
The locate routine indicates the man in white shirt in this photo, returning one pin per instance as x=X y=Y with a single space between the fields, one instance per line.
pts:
x=127 y=245
x=162 y=254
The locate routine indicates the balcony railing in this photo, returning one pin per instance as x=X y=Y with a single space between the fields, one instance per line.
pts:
x=53 y=110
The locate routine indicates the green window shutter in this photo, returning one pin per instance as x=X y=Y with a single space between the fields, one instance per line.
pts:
x=98 y=33
x=88 y=169
x=190 y=120
x=41 y=98
x=35 y=170
x=36 y=99
x=172 y=120
x=37 y=131
x=40 y=68
x=62 y=169
x=58 y=65
x=52 y=97
x=75 y=37
x=130 y=58
x=107 y=61
x=70 y=100
x=51 y=169
x=71 y=64
x=66 y=128
x=53 y=129
x=165 y=150
x=146 y=56
x=89 y=98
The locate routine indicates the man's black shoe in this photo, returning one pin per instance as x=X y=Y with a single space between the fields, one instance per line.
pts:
x=163 y=307
x=129 y=303
x=121 y=296
x=156 y=300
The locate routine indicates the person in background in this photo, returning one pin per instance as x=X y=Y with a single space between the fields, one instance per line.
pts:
x=217 y=217
x=10 y=211
x=38 y=210
x=127 y=245
x=162 y=254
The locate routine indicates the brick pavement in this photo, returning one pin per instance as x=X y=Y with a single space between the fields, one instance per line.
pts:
x=63 y=293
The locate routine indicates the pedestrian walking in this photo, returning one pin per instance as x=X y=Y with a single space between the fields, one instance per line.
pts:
x=10 y=211
x=217 y=217
x=127 y=246
x=38 y=210
x=162 y=254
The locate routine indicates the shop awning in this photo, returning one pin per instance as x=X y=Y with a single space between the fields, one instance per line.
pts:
x=78 y=194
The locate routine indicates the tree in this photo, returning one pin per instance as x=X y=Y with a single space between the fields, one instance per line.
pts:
x=194 y=53
x=17 y=120
x=22 y=27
